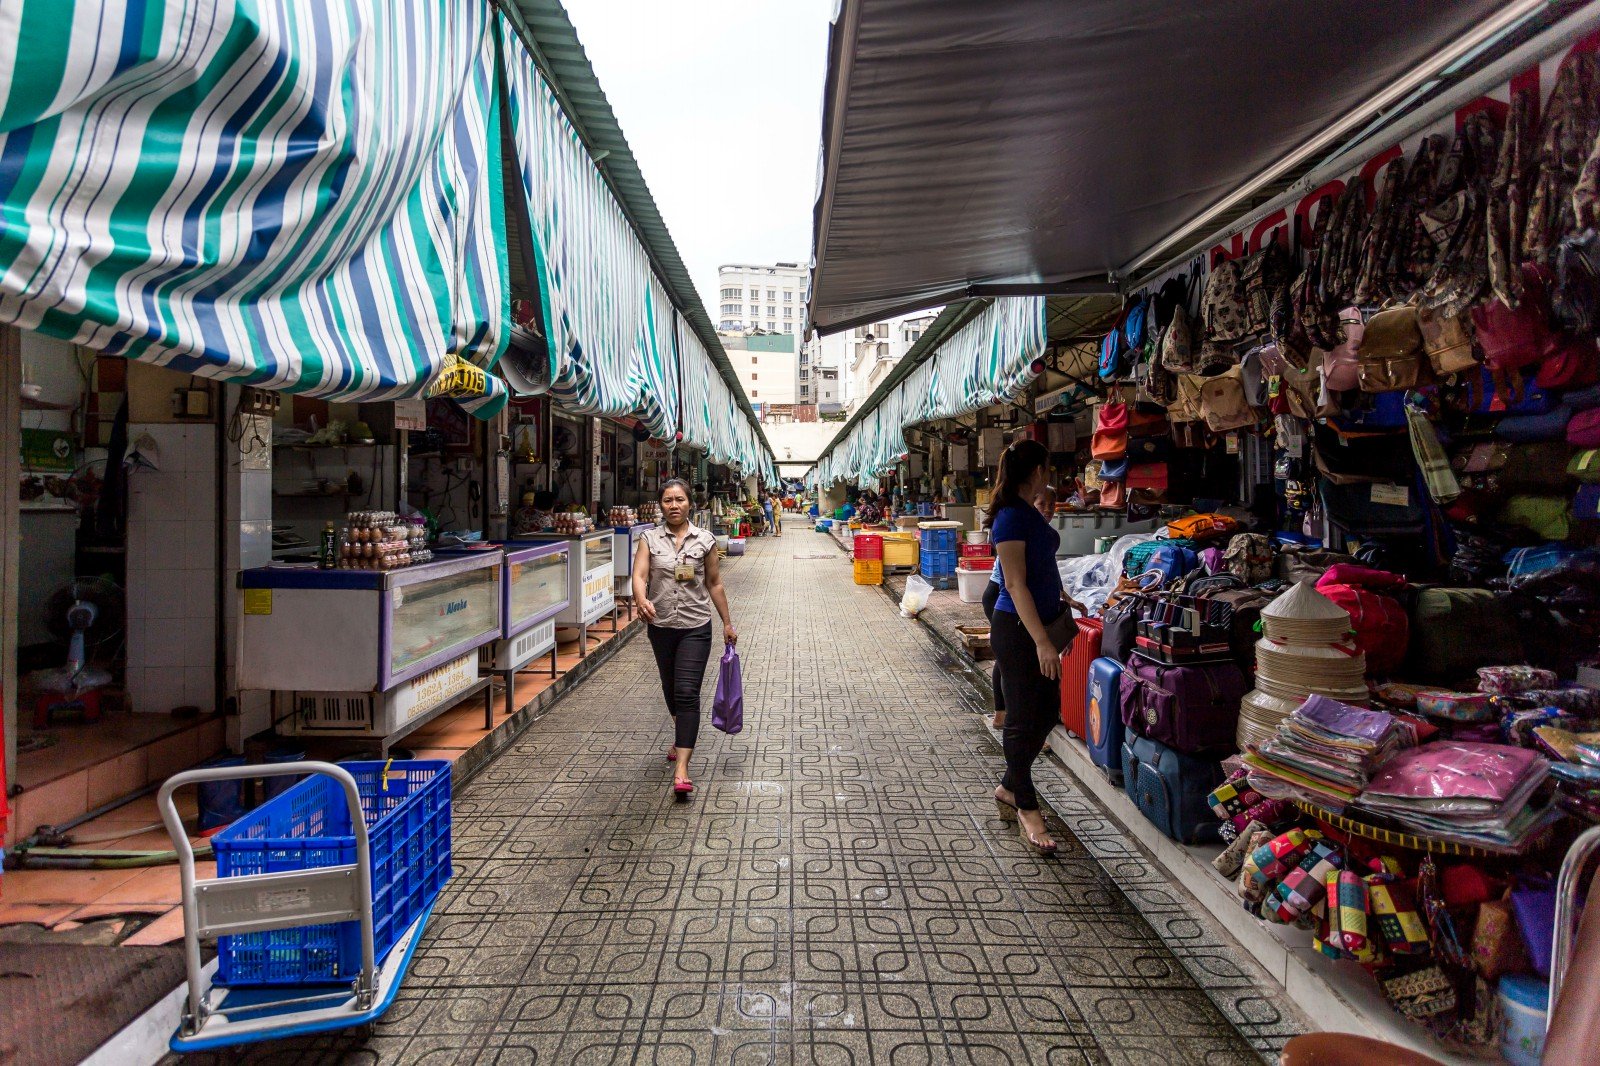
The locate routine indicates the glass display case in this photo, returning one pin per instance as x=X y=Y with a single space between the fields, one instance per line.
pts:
x=591 y=590
x=365 y=653
x=625 y=542
x=533 y=589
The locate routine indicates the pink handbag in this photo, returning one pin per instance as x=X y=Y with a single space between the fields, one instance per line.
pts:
x=1341 y=369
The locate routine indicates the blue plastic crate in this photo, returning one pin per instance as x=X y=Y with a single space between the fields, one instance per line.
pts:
x=407 y=811
x=939 y=540
x=937 y=563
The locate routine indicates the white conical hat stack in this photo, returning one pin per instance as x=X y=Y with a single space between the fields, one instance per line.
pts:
x=1305 y=616
x=1306 y=650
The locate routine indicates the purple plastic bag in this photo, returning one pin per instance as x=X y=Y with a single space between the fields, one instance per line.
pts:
x=727 y=708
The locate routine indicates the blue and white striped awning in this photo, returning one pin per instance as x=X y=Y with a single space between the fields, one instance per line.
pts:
x=298 y=196
x=609 y=322
x=986 y=361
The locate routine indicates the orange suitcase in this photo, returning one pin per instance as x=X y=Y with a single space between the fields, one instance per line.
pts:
x=1075 y=676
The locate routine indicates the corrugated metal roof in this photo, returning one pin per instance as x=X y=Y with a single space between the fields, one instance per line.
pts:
x=545 y=28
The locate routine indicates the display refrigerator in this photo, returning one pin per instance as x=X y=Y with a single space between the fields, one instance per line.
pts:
x=626 y=541
x=533 y=591
x=591 y=591
x=369 y=654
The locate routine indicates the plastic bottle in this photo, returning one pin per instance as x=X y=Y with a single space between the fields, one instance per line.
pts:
x=329 y=557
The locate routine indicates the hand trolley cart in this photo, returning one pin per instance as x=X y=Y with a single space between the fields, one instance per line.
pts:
x=319 y=901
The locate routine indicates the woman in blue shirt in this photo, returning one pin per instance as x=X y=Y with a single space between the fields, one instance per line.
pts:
x=1029 y=660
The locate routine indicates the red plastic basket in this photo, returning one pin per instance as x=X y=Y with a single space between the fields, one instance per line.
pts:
x=869 y=546
x=977 y=551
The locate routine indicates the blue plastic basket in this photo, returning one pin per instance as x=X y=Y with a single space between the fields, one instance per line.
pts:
x=939 y=540
x=937 y=563
x=407 y=811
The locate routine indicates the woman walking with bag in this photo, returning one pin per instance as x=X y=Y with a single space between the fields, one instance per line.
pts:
x=1032 y=626
x=676 y=582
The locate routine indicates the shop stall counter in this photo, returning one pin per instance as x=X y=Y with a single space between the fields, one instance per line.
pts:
x=591 y=578
x=368 y=655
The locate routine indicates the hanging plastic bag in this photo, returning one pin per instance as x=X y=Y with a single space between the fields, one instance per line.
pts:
x=727 y=707
x=915 y=597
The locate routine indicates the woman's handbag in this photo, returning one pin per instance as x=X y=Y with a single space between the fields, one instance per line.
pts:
x=1063 y=631
x=727 y=708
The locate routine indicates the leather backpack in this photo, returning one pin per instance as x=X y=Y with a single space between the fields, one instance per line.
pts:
x=1391 y=351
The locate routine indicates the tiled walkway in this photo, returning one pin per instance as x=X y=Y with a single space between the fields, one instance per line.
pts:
x=838 y=891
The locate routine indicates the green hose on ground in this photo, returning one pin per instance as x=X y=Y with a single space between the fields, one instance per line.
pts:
x=83 y=859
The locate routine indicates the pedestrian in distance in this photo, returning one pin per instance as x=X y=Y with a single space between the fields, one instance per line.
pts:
x=775 y=509
x=1031 y=629
x=677 y=581
x=766 y=509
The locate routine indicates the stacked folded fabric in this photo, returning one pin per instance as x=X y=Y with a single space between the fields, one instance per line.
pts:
x=1481 y=795
x=1306 y=650
x=1325 y=752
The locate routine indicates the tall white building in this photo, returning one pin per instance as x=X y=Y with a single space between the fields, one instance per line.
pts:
x=770 y=298
x=766 y=366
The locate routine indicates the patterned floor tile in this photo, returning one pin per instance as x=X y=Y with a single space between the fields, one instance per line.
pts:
x=839 y=890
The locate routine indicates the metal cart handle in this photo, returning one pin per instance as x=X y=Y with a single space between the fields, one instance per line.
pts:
x=366 y=984
x=1567 y=890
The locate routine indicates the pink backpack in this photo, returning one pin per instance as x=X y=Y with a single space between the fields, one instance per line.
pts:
x=1382 y=629
x=1341 y=370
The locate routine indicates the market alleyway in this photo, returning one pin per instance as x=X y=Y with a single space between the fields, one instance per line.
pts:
x=838 y=891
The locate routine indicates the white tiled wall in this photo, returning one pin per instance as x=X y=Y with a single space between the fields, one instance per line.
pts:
x=172 y=567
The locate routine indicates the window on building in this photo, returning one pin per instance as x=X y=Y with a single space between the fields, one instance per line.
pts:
x=805 y=391
x=788 y=327
x=754 y=376
x=804 y=359
x=772 y=294
x=771 y=311
x=788 y=312
x=883 y=350
x=804 y=374
x=772 y=327
x=732 y=294
x=754 y=394
x=788 y=296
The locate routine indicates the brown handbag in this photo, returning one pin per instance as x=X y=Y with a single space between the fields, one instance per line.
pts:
x=1447 y=340
x=1390 y=355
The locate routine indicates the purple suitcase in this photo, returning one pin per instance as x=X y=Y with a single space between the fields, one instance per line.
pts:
x=1191 y=709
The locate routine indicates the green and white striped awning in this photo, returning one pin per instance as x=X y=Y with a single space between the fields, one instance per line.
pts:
x=609 y=321
x=713 y=421
x=298 y=196
x=988 y=360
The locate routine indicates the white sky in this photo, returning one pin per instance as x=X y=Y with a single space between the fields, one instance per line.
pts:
x=721 y=102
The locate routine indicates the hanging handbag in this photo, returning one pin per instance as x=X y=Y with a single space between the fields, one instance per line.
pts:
x=1341 y=367
x=1223 y=402
x=727 y=707
x=1390 y=353
x=1447 y=340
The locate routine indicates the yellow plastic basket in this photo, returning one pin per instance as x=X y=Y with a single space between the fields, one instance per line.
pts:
x=900 y=549
x=869 y=572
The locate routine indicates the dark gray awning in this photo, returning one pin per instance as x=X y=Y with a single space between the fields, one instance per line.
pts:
x=1018 y=147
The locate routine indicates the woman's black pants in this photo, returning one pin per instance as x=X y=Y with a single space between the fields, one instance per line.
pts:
x=991 y=593
x=1033 y=705
x=681 y=656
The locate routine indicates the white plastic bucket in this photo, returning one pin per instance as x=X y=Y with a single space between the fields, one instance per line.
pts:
x=970 y=584
x=977 y=536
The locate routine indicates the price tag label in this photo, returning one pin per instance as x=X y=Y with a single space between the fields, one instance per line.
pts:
x=1393 y=495
x=258 y=601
